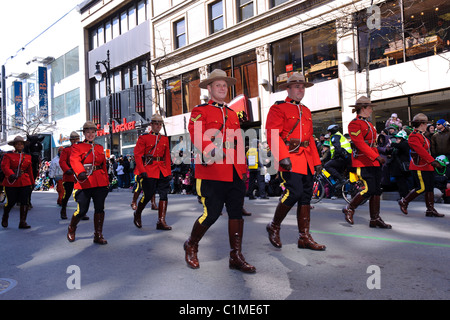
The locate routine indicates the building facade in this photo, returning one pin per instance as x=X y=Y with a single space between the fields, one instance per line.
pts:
x=44 y=87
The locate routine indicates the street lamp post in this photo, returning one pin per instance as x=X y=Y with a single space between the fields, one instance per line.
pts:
x=99 y=76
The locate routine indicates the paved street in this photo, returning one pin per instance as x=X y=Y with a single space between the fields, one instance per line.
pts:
x=411 y=261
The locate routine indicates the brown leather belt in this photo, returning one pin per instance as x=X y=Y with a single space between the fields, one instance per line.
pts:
x=151 y=158
x=294 y=144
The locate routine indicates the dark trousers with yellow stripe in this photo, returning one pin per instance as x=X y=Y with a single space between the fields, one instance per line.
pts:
x=423 y=181
x=371 y=177
x=298 y=188
x=83 y=198
x=68 y=189
x=215 y=194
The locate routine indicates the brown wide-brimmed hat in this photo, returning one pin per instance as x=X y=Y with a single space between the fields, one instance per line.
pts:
x=215 y=75
x=18 y=139
x=295 y=78
x=74 y=135
x=418 y=119
x=156 y=118
x=89 y=125
x=362 y=101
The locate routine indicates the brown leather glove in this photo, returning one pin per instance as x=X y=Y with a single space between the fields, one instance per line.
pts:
x=380 y=160
x=436 y=164
x=286 y=164
x=82 y=176
x=318 y=168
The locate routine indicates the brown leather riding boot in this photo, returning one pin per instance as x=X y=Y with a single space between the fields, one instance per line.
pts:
x=349 y=210
x=138 y=214
x=273 y=228
x=98 y=228
x=191 y=244
x=429 y=202
x=23 y=217
x=162 y=210
x=153 y=201
x=237 y=260
x=403 y=202
x=73 y=227
x=134 y=200
x=245 y=212
x=374 y=210
x=305 y=240
x=5 y=216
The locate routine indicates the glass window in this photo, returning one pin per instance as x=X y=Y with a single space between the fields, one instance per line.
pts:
x=126 y=78
x=383 y=46
x=191 y=91
x=115 y=27
x=286 y=59
x=426 y=27
x=72 y=102
x=141 y=11
x=101 y=35
x=108 y=31
x=123 y=22
x=180 y=33
x=245 y=9
x=58 y=107
x=134 y=75
x=117 y=83
x=143 y=72
x=57 y=73
x=132 y=17
x=216 y=16
x=275 y=3
x=93 y=39
x=246 y=73
x=320 y=53
x=174 y=103
x=322 y=119
x=72 y=64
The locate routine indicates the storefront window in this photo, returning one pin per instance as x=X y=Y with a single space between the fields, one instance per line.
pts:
x=320 y=53
x=319 y=61
x=286 y=59
x=182 y=93
x=385 y=109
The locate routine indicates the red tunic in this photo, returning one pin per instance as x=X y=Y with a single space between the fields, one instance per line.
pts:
x=10 y=166
x=157 y=146
x=281 y=118
x=364 y=138
x=218 y=121
x=80 y=155
x=64 y=163
x=421 y=146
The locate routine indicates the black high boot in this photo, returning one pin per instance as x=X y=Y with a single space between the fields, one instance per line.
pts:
x=237 y=260
x=273 y=228
x=23 y=217
x=5 y=216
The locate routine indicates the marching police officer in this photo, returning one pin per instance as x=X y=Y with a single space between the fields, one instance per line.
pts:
x=215 y=132
x=422 y=166
x=367 y=161
x=68 y=178
x=298 y=159
x=18 y=181
x=88 y=162
x=152 y=157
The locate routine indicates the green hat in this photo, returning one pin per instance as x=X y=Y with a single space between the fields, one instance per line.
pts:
x=402 y=134
x=326 y=143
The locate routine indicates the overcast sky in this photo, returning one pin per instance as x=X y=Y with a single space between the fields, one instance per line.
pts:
x=23 y=20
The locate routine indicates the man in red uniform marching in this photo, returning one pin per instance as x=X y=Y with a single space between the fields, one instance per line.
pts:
x=152 y=157
x=68 y=178
x=215 y=131
x=290 y=131
x=18 y=181
x=367 y=161
x=422 y=166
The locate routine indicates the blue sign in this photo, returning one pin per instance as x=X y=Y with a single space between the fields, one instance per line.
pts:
x=43 y=95
x=18 y=104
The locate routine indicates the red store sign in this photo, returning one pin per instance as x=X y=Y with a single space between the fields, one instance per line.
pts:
x=125 y=126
